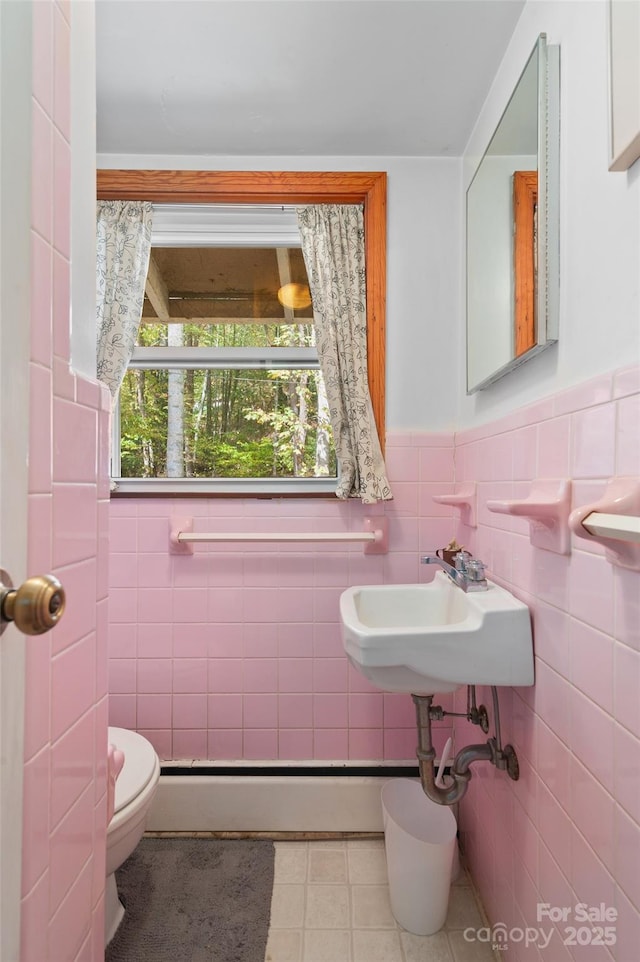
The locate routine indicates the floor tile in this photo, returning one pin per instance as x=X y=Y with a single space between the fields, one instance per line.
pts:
x=426 y=948
x=376 y=946
x=287 y=907
x=327 y=945
x=291 y=862
x=284 y=945
x=367 y=866
x=327 y=907
x=327 y=865
x=465 y=951
x=371 y=907
x=463 y=909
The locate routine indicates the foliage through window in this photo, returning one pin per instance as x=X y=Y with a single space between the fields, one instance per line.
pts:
x=224 y=383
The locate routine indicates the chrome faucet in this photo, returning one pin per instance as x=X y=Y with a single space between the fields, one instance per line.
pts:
x=468 y=573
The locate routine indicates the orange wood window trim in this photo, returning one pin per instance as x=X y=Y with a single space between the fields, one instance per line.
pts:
x=525 y=199
x=284 y=187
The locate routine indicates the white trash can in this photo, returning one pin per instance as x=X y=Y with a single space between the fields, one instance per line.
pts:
x=419 y=841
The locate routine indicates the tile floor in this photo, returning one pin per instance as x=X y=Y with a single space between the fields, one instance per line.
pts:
x=330 y=903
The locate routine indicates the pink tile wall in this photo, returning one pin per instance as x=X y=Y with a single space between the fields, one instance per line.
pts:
x=569 y=830
x=64 y=828
x=237 y=654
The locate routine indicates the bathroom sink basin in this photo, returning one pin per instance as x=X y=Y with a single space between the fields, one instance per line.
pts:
x=433 y=638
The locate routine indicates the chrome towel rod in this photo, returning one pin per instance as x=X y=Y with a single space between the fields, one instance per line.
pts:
x=374 y=536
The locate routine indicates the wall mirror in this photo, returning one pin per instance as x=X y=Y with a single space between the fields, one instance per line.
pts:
x=512 y=229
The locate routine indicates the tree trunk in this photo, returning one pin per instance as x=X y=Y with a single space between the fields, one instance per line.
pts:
x=147 y=449
x=175 y=410
x=322 y=434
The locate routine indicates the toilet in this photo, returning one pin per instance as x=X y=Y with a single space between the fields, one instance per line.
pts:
x=135 y=788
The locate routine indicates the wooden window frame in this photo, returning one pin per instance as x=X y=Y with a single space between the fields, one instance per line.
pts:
x=525 y=201
x=284 y=187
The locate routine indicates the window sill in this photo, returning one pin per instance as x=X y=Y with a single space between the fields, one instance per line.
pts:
x=207 y=488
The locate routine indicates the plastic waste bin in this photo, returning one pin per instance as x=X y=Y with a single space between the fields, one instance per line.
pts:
x=419 y=840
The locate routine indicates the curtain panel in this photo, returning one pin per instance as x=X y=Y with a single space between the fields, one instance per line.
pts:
x=123 y=242
x=333 y=248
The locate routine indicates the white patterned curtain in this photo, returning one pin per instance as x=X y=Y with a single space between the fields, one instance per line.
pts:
x=123 y=241
x=333 y=248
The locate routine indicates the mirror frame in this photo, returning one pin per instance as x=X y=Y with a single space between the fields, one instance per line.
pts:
x=546 y=321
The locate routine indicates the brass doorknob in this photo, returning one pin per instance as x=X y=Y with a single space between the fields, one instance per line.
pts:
x=35 y=607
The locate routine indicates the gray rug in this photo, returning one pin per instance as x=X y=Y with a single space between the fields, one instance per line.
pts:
x=195 y=899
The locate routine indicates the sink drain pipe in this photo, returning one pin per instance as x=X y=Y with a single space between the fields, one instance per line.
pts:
x=492 y=751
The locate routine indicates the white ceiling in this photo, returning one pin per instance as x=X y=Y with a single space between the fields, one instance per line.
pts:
x=296 y=77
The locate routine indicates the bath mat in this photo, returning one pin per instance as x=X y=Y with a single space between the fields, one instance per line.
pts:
x=195 y=900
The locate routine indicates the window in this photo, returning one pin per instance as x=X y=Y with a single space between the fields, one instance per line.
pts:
x=224 y=391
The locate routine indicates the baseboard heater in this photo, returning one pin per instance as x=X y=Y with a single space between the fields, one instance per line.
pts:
x=272 y=798
x=293 y=771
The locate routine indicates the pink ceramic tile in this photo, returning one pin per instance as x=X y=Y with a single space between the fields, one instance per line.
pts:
x=71 y=844
x=190 y=605
x=190 y=711
x=225 y=711
x=123 y=570
x=154 y=676
x=62 y=195
x=189 y=744
x=79 y=620
x=155 y=641
x=627 y=927
x=592 y=738
x=295 y=745
x=72 y=767
x=554 y=765
x=224 y=744
x=554 y=438
x=74 y=449
x=403 y=464
x=226 y=675
x=260 y=744
x=190 y=675
x=69 y=927
x=365 y=710
x=297 y=640
x=627 y=688
x=628 y=437
x=122 y=711
x=261 y=641
x=41 y=174
x=552 y=695
x=37 y=783
x=260 y=675
x=122 y=676
x=41 y=294
x=590 y=879
x=123 y=605
x=260 y=711
x=226 y=605
x=330 y=675
x=591 y=591
x=627 y=607
x=294 y=711
x=62 y=74
x=554 y=825
x=298 y=570
x=72 y=685
x=436 y=464
x=592 y=663
x=153 y=711
x=75 y=522
x=39 y=543
x=585 y=395
x=331 y=568
x=365 y=744
x=40 y=430
x=627 y=773
x=593 y=442
x=154 y=571
x=190 y=641
x=399 y=711
x=33 y=910
x=155 y=605
x=399 y=744
x=42 y=60
x=161 y=741
x=551 y=637
x=330 y=711
x=626 y=381
x=331 y=744
x=61 y=306
x=296 y=675
x=592 y=811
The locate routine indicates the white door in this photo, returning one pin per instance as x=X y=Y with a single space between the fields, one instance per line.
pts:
x=15 y=203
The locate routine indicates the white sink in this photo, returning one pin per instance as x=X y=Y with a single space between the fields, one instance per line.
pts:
x=433 y=638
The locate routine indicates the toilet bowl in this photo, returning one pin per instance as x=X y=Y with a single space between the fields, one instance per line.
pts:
x=134 y=791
